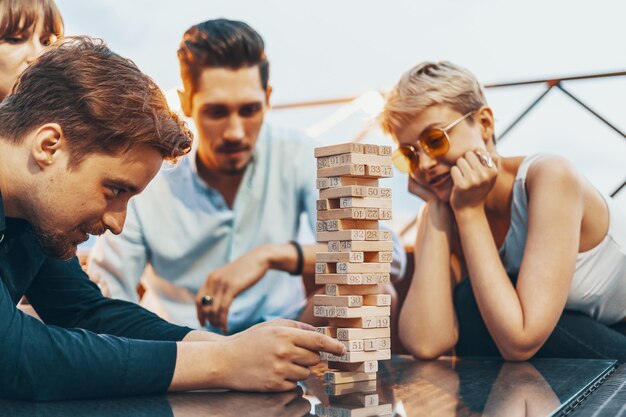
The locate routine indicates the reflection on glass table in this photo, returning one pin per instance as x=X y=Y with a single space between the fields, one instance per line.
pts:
x=446 y=387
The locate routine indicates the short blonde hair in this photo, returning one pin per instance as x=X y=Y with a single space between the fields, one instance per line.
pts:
x=428 y=84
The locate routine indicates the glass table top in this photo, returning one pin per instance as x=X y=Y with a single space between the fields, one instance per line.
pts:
x=404 y=387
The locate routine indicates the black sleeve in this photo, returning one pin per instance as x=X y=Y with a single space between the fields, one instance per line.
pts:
x=63 y=295
x=42 y=362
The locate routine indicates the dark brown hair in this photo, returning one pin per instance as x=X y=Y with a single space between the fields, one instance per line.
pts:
x=221 y=43
x=19 y=16
x=103 y=103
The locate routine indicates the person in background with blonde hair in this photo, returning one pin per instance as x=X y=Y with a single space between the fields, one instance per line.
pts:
x=530 y=234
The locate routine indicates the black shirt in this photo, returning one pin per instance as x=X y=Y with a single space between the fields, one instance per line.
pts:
x=89 y=346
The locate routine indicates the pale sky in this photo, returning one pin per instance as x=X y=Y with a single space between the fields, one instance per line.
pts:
x=336 y=48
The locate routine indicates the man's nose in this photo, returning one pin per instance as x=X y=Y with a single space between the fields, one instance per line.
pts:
x=234 y=130
x=114 y=221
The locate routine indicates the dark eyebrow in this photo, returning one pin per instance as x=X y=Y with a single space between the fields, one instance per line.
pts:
x=220 y=104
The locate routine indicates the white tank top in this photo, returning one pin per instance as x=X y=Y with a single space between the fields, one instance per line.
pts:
x=598 y=286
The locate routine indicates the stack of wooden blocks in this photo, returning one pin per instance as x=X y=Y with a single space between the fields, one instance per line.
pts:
x=357 y=263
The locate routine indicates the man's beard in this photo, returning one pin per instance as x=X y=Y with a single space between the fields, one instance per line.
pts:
x=59 y=245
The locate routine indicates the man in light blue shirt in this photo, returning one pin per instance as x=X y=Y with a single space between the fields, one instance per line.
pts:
x=218 y=231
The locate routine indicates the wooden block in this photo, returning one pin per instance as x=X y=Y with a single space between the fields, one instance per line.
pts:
x=369 y=148
x=367 y=290
x=364 y=400
x=347 y=202
x=364 y=246
x=376 y=235
x=322 y=204
x=356 y=191
x=369 y=345
x=350 y=333
x=338 y=149
x=354 y=234
x=325 y=268
x=347 y=224
x=384 y=150
x=384 y=343
x=349 y=213
x=352 y=158
x=375 y=278
x=353 y=345
x=350 y=279
x=367 y=366
x=378 y=355
x=338 y=301
x=377 y=300
x=361 y=322
x=343 y=279
x=324 y=311
x=357 y=267
x=338 y=377
x=378 y=171
x=367 y=311
x=363 y=387
x=330 y=182
x=327 y=331
x=339 y=257
x=352 y=411
x=384 y=214
x=342 y=170
x=382 y=257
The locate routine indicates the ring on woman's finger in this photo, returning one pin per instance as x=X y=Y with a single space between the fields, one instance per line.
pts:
x=207 y=300
x=486 y=160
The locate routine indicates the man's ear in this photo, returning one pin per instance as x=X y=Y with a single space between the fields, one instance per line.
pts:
x=485 y=119
x=185 y=102
x=47 y=143
x=268 y=94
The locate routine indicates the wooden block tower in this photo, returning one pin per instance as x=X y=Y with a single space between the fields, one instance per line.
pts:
x=358 y=259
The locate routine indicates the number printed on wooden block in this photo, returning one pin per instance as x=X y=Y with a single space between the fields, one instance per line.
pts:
x=327 y=331
x=353 y=345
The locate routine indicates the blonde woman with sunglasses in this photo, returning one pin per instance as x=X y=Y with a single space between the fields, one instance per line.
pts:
x=532 y=236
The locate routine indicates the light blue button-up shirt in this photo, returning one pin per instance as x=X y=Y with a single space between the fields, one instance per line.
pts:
x=184 y=230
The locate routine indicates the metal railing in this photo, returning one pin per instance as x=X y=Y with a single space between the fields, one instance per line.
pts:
x=550 y=83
